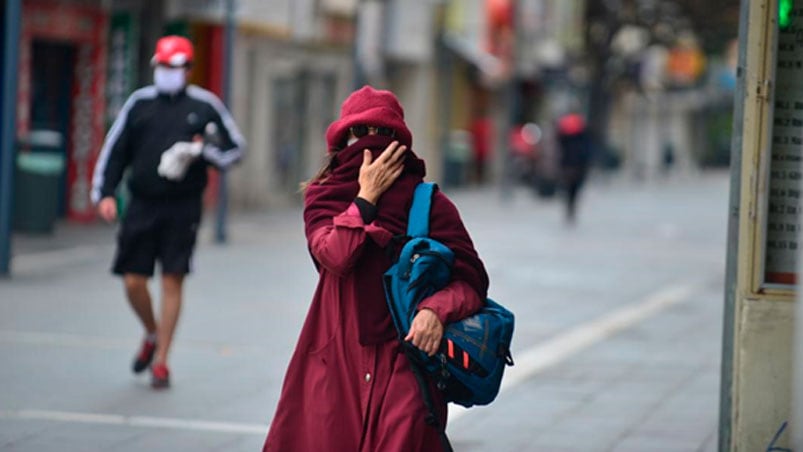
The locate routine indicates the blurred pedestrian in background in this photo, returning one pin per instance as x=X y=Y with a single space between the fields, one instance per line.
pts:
x=575 y=157
x=349 y=385
x=481 y=130
x=166 y=135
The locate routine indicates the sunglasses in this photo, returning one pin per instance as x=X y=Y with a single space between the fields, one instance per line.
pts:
x=361 y=131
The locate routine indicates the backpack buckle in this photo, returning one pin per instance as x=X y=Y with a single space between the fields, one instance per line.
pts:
x=444 y=371
x=508 y=357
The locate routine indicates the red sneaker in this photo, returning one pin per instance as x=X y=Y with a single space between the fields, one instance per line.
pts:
x=160 y=376
x=144 y=357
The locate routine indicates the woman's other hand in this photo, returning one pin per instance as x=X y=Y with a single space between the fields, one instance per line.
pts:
x=376 y=176
x=426 y=332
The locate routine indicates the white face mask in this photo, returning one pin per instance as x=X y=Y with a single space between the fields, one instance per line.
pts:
x=169 y=80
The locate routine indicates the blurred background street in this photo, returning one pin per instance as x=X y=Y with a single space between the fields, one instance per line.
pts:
x=617 y=338
x=619 y=313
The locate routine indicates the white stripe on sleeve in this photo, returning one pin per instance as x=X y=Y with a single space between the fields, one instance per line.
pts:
x=212 y=153
x=148 y=92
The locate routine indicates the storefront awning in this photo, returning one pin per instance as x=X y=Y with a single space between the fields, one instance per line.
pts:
x=470 y=50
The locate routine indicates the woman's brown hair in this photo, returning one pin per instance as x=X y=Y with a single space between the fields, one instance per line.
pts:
x=323 y=172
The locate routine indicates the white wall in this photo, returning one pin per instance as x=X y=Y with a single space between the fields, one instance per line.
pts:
x=259 y=62
x=414 y=86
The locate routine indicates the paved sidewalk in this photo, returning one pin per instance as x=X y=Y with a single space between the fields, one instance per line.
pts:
x=650 y=388
x=617 y=341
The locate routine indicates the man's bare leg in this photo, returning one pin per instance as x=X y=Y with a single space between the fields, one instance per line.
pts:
x=136 y=289
x=171 y=307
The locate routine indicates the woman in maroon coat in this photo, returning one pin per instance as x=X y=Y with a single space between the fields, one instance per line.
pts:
x=349 y=387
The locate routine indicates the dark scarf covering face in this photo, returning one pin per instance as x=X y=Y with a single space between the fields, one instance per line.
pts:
x=330 y=197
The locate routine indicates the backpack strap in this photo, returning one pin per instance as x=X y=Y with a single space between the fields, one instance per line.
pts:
x=418 y=222
x=418 y=226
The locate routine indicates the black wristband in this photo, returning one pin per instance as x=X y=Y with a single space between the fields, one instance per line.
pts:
x=367 y=210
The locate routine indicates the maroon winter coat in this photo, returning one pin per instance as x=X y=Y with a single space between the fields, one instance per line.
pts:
x=348 y=386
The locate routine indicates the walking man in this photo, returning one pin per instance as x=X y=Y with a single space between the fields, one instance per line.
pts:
x=575 y=157
x=166 y=135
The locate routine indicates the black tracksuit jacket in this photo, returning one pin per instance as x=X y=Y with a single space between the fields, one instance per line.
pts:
x=150 y=123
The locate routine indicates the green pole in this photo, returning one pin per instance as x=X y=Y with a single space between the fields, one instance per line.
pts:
x=8 y=121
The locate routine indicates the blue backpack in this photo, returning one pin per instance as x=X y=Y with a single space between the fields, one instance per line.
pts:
x=474 y=351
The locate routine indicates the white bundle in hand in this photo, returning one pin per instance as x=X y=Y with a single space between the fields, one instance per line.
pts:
x=177 y=159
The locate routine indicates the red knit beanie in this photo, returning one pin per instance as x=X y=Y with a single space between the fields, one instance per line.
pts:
x=370 y=107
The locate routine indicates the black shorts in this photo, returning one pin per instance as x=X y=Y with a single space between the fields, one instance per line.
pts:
x=163 y=230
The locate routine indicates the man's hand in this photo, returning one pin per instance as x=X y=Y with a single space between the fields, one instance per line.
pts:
x=107 y=209
x=378 y=175
x=426 y=332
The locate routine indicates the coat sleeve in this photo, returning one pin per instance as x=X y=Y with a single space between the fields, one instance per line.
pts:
x=336 y=246
x=466 y=292
x=114 y=155
x=226 y=144
x=454 y=302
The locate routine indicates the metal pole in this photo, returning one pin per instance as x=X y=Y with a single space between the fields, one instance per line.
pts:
x=358 y=74
x=222 y=193
x=513 y=105
x=444 y=68
x=796 y=423
x=8 y=129
x=732 y=261
x=511 y=102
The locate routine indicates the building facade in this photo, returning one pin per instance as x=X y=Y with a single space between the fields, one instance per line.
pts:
x=292 y=63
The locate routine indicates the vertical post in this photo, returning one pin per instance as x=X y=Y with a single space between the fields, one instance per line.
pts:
x=222 y=195
x=732 y=260
x=512 y=103
x=796 y=422
x=507 y=181
x=8 y=93
x=358 y=74
x=443 y=70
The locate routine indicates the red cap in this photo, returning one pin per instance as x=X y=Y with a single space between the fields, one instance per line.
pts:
x=370 y=107
x=173 y=51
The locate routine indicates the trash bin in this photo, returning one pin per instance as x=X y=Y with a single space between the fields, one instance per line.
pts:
x=456 y=158
x=36 y=188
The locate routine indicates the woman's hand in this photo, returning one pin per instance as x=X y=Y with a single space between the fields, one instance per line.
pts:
x=426 y=332
x=376 y=176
